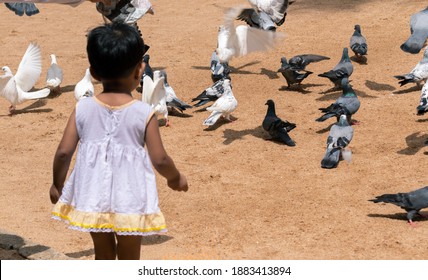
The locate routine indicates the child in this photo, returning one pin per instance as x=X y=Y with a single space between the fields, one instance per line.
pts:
x=111 y=192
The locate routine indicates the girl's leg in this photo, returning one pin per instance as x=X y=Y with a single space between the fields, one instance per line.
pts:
x=128 y=247
x=104 y=245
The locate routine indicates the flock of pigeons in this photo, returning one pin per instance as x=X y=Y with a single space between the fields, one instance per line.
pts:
x=259 y=34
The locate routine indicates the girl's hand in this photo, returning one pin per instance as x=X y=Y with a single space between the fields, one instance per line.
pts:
x=179 y=184
x=54 y=194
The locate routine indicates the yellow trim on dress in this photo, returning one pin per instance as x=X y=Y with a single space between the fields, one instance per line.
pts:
x=110 y=107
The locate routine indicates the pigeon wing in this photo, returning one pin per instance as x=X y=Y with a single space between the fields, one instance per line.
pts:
x=251 y=39
x=30 y=68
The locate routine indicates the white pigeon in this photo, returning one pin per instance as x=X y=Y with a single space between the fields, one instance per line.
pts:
x=172 y=101
x=223 y=106
x=84 y=88
x=423 y=103
x=238 y=41
x=15 y=87
x=418 y=74
x=154 y=94
x=54 y=75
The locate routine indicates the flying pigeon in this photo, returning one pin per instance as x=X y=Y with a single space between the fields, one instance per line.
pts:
x=418 y=74
x=84 y=88
x=238 y=41
x=154 y=94
x=212 y=93
x=223 y=106
x=256 y=19
x=412 y=201
x=343 y=69
x=358 y=43
x=23 y=8
x=277 y=128
x=423 y=104
x=172 y=100
x=275 y=9
x=54 y=75
x=339 y=137
x=218 y=70
x=294 y=70
x=347 y=104
x=15 y=87
x=125 y=11
x=418 y=32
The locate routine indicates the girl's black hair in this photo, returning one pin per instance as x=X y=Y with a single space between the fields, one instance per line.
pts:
x=114 y=50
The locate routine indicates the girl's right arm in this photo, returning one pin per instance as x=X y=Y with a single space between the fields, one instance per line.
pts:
x=63 y=157
x=160 y=159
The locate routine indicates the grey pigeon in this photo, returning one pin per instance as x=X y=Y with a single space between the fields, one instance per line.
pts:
x=219 y=70
x=148 y=70
x=212 y=93
x=423 y=104
x=172 y=100
x=339 y=137
x=275 y=9
x=277 y=128
x=412 y=201
x=23 y=8
x=348 y=104
x=418 y=32
x=294 y=70
x=257 y=19
x=343 y=69
x=358 y=43
x=418 y=74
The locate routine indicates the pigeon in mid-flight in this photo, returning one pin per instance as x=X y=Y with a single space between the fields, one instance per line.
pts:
x=212 y=93
x=277 y=128
x=240 y=40
x=339 y=137
x=84 y=88
x=423 y=104
x=358 y=42
x=172 y=100
x=257 y=19
x=128 y=11
x=412 y=201
x=23 y=8
x=276 y=10
x=347 y=104
x=418 y=74
x=54 y=75
x=343 y=69
x=294 y=70
x=218 y=70
x=154 y=94
x=15 y=88
x=418 y=32
x=223 y=106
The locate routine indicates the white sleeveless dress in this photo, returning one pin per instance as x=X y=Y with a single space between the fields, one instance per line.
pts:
x=112 y=187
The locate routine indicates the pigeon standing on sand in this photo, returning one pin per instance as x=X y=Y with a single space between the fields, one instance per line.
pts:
x=218 y=70
x=154 y=94
x=358 y=43
x=412 y=201
x=347 y=104
x=54 y=75
x=84 y=88
x=294 y=70
x=23 y=8
x=423 y=104
x=15 y=87
x=343 y=69
x=223 y=106
x=418 y=74
x=418 y=32
x=339 y=137
x=277 y=128
x=172 y=100
x=212 y=93
x=148 y=69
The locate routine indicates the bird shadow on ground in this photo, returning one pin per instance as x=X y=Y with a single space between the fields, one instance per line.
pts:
x=398 y=216
x=415 y=142
x=403 y=91
x=362 y=60
x=363 y=94
x=200 y=110
x=231 y=135
x=32 y=108
x=300 y=88
x=333 y=89
x=422 y=120
x=234 y=70
x=330 y=97
x=326 y=129
x=155 y=239
x=220 y=122
x=177 y=113
x=65 y=89
x=78 y=255
x=271 y=74
x=379 y=87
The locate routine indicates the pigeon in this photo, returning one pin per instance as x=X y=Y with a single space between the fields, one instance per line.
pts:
x=423 y=104
x=54 y=75
x=412 y=201
x=277 y=128
x=418 y=32
x=418 y=74
x=294 y=70
x=212 y=93
x=347 y=104
x=218 y=70
x=256 y=19
x=23 y=8
x=148 y=69
x=172 y=100
x=84 y=88
x=339 y=137
x=223 y=106
x=126 y=11
x=343 y=69
x=15 y=87
x=275 y=9
x=358 y=43
x=154 y=94
x=238 y=41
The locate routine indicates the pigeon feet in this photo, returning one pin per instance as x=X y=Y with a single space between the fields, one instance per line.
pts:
x=412 y=224
x=11 y=110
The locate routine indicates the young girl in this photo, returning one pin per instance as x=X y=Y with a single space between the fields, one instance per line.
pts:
x=111 y=191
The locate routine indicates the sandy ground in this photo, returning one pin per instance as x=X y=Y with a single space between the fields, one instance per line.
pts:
x=249 y=198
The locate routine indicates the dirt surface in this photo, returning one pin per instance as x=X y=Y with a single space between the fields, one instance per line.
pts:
x=249 y=198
